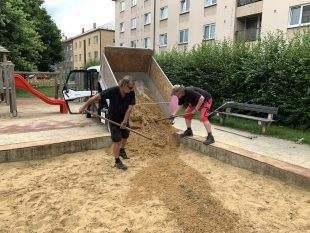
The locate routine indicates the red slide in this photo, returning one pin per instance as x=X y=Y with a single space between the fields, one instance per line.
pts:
x=21 y=83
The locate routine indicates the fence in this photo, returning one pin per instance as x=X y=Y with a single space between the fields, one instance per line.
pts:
x=45 y=79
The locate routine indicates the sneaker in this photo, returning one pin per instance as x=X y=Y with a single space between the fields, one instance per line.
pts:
x=123 y=154
x=187 y=133
x=120 y=165
x=209 y=140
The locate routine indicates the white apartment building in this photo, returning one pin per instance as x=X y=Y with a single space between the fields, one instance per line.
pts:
x=185 y=23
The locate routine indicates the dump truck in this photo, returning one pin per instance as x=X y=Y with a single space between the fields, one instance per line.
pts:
x=117 y=62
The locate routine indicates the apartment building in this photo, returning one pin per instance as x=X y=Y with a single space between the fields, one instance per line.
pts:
x=89 y=45
x=68 y=64
x=164 y=24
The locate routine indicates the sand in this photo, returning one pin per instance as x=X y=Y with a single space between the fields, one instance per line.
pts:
x=167 y=188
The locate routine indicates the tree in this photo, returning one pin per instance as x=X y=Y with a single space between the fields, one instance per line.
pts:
x=30 y=34
x=49 y=33
x=93 y=62
x=18 y=35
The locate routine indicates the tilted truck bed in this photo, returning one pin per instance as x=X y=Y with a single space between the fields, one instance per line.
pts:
x=141 y=66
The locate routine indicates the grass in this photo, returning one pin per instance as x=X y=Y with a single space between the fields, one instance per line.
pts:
x=252 y=126
x=48 y=91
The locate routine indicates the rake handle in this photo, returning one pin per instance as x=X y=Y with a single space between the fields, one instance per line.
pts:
x=117 y=124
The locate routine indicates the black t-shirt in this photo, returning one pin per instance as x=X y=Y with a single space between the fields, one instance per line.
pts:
x=118 y=104
x=192 y=95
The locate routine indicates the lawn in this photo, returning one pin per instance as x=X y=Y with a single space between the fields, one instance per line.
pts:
x=48 y=91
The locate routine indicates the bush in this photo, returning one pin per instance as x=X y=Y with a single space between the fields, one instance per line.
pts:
x=271 y=72
x=93 y=62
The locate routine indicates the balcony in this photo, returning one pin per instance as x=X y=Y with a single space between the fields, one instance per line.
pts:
x=248 y=35
x=246 y=2
x=249 y=8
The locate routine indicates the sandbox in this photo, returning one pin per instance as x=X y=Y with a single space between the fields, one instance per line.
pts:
x=167 y=188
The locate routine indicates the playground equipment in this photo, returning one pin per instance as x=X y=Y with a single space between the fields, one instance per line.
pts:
x=7 y=84
x=21 y=83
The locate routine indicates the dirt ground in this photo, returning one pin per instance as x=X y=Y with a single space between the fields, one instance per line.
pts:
x=167 y=188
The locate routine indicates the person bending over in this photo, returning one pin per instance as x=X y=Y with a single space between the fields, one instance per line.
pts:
x=122 y=99
x=198 y=101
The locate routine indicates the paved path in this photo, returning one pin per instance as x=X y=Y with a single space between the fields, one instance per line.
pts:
x=283 y=150
x=38 y=122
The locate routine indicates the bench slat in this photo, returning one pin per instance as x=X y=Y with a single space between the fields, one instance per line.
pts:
x=246 y=116
x=253 y=107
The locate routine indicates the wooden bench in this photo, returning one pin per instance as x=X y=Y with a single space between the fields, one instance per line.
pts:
x=232 y=109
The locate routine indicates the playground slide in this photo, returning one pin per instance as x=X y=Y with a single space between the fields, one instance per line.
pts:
x=21 y=83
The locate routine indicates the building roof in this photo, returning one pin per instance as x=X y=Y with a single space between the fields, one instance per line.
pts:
x=103 y=27
x=3 y=50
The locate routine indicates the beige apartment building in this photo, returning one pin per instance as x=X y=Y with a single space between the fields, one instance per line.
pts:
x=185 y=23
x=89 y=45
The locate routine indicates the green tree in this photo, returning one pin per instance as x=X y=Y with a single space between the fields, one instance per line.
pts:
x=93 y=62
x=49 y=33
x=18 y=34
x=30 y=34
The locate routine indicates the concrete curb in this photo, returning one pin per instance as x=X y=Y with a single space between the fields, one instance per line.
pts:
x=45 y=149
x=289 y=173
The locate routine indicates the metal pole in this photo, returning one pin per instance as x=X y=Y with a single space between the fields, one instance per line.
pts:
x=154 y=28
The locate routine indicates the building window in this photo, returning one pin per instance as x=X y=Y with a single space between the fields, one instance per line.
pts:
x=75 y=44
x=147 y=18
x=133 y=3
x=133 y=44
x=184 y=6
x=164 y=13
x=96 y=39
x=121 y=27
x=80 y=44
x=147 y=42
x=89 y=55
x=163 y=39
x=133 y=23
x=210 y=3
x=80 y=57
x=75 y=57
x=122 y=6
x=88 y=41
x=183 y=36
x=209 y=32
x=96 y=54
x=300 y=15
x=121 y=44
x=70 y=47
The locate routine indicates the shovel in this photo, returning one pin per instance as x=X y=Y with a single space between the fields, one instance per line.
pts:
x=181 y=115
x=117 y=124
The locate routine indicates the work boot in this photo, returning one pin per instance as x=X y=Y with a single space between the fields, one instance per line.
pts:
x=120 y=165
x=209 y=140
x=123 y=154
x=187 y=133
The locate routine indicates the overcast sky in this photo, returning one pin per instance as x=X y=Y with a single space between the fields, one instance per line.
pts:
x=72 y=15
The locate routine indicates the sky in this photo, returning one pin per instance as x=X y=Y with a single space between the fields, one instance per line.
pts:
x=73 y=15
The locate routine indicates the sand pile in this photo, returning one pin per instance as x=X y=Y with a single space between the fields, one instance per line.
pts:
x=185 y=192
x=163 y=134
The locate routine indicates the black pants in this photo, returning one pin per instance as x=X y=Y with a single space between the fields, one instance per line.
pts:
x=117 y=134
